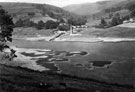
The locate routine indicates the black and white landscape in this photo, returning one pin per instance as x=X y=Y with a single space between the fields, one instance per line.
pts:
x=80 y=47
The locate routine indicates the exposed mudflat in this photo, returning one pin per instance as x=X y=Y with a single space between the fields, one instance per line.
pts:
x=112 y=62
x=105 y=64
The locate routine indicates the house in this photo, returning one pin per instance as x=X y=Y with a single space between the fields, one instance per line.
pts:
x=131 y=20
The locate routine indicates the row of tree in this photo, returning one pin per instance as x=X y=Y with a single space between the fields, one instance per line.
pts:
x=113 y=9
x=131 y=8
x=77 y=21
x=114 y=21
x=50 y=24
x=40 y=25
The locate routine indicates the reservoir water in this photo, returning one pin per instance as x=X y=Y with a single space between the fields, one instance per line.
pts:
x=108 y=61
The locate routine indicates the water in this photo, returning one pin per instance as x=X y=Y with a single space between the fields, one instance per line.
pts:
x=110 y=61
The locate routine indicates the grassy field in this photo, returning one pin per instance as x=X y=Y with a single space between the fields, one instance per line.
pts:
x=74 y=60
x=18 y=79
x=119 y=32
x=30 y=32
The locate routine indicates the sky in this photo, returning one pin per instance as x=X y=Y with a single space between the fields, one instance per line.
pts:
x=59 y=3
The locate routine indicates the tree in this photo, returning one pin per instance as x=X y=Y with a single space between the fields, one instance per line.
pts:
x=64 y=27
x=103 y=22
x=132 y=14
x=6 y=25
x=51 y=24
x=116 y=20
x=110 y=15
x=127 y=17
x=131 y=6
x=25 y=23
x=77 y=21
x=32 y=24
x=29 y=23
x=62 y=20
x=31 y=14
x=40 y=25
x=19 y=23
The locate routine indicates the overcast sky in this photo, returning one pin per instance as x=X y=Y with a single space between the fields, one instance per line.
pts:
x=59 y=3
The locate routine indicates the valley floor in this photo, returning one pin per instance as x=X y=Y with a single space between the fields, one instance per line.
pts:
x=74 y=55
x=124 y=32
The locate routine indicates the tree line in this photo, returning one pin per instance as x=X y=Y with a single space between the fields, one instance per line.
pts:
x=40 y=25
x=51 y=24
x=114 y=20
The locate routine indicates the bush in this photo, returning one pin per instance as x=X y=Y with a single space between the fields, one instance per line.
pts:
x=40 y=25
x=51 y=24
x=25 y=23
x=77 y=21
x=19 y=23
x=116 y=20
x=64 y=27
x=103 y=22
x=132 y=14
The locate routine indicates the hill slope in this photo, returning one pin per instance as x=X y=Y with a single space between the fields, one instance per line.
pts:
x=31 y=10
x=92 y=8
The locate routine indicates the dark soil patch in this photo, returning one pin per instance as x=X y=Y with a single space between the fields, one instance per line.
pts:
x=100 y=63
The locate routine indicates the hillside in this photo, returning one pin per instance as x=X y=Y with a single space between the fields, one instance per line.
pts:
x=120 y=31
x=100 y=8
x=91 y=8
x=35 y=11
x=83 y=9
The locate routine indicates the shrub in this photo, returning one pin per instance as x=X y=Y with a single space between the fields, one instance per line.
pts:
x=51 y=24
x=40 y=25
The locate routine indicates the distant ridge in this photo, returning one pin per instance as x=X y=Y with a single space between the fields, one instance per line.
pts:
x=92 y=8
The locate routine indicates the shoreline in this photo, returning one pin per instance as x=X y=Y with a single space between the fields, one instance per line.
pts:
x=76 y=39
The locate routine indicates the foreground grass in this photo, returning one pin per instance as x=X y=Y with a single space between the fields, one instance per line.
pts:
x=28 y=32
x=17 y=79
